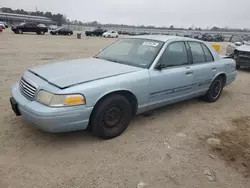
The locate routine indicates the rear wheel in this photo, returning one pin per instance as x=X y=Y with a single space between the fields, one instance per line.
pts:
x=42 y=32
x=111 y=117
x=215 y=90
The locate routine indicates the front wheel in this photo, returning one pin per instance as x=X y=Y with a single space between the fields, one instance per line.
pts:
x=42 y=32
x=215 y=90
x=111 y=117
x=19 y=31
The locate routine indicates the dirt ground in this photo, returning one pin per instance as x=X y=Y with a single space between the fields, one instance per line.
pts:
x=166 y=149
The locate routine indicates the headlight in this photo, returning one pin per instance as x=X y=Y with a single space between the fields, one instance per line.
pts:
x=55 y=100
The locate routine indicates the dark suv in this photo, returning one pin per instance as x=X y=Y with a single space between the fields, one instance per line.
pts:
x=96 y=32
x=39 y=29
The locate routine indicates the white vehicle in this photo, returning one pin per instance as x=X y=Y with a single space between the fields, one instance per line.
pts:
x=110 y=34
x=53 y=27
x=2 y=25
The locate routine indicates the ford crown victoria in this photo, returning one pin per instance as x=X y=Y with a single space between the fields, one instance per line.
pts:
x=129 y=77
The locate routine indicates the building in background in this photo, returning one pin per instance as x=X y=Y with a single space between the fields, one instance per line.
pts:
x=13 y=19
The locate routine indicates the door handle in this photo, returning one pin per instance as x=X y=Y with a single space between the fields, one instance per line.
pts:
x=189 y=72
x=214 y=69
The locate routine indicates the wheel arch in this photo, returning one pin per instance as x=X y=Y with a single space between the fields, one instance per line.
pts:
x=130 y=96
x=223 y=76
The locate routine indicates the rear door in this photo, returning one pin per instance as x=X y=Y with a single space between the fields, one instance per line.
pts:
x=61 y=31
x=203 y=65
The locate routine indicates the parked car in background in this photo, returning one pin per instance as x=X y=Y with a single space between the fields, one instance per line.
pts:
x=6 y=25
x=218 y=38
x=239 y=49
x=39 y=29
x=53 y=27
x=2 y=25
x=207 y=37
x=110 y=34
x=62 y=31
x=124 y=79
x=96 y=32
x=234 y=42
x=1 y=30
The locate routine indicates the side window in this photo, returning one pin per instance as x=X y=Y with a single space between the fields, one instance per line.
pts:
x=208 y=54
x=197 y=52
x=32 y=25
x=175 y=55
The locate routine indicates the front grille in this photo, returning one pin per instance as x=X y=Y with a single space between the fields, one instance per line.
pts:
x=244 y=55
x=27 y=89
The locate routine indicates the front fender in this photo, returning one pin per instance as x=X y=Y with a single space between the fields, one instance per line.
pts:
x=113 y=91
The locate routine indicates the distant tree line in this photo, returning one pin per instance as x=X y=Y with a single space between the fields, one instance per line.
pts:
x=62 y=19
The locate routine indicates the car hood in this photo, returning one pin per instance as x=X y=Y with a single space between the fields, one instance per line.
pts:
x=68 y=73
x=244 y=48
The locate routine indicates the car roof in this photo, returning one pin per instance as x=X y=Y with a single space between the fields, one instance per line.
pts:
x=163 y=38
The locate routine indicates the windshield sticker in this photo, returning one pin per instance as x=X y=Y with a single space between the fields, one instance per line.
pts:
x=154 y=44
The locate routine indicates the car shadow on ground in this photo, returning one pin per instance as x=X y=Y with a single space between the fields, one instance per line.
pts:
x=244 y=69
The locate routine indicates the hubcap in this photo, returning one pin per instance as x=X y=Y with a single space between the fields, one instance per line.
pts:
x=217 y=89
x=112 y=117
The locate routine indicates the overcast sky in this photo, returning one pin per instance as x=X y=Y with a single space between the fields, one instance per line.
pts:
x=181 y=13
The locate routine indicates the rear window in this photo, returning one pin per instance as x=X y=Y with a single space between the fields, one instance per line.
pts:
x=209 y=57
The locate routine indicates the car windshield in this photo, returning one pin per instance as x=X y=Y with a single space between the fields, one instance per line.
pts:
x=22 y=23
x=134 y=52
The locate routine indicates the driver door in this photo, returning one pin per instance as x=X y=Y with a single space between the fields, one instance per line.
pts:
x=175 y=81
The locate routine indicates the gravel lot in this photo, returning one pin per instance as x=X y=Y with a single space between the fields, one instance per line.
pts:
x=167 y=148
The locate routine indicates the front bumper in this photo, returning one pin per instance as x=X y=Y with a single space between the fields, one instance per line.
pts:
x=242 y=62
x=50 y=119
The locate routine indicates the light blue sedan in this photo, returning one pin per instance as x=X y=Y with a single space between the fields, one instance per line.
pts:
x=129 y=77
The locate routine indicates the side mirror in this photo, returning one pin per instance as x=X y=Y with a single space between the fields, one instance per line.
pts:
x=238 y=43
x=160 y=66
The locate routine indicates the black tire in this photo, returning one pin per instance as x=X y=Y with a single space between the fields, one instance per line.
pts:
x=237 y=67
x=42 y=32
x=215 y=90
x=19 y=31
x=111 y=117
